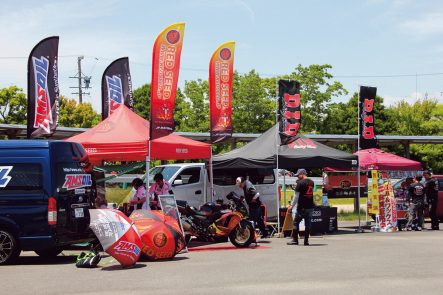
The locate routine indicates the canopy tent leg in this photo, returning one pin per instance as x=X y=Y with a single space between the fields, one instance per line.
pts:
x=148 y=164
x=277 y=145
x=359 y=229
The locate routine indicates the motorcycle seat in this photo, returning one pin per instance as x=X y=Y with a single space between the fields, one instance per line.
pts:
x=201 y=213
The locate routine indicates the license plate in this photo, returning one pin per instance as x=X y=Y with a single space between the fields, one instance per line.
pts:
x=79 y=213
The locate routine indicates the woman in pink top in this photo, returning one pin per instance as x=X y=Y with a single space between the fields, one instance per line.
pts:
x=138 y=200
x=158 y=188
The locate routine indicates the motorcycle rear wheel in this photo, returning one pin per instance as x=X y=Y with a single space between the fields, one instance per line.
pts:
x=242 y=238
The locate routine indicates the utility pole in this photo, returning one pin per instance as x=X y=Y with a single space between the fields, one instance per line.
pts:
x=79 y=61
x=80 y=77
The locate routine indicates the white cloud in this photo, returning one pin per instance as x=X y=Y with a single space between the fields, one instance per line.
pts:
x=424 y=25
x=390 y=100
x=250 y=11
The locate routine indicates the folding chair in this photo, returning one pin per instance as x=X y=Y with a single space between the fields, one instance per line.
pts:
x=270 y=226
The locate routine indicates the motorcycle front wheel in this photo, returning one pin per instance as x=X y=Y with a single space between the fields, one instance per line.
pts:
x=240 y=237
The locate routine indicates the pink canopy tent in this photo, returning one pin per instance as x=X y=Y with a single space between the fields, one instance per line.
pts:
x=123 y=136
x=380 y=160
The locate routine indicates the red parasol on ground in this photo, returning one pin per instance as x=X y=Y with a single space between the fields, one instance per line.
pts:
x=161 y=235
x=117 y=234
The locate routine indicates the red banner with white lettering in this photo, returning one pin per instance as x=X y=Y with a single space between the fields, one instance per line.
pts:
x=43 y=89
x=221 y=73
x=366 y=117
x=289 y=110
x=165 y=70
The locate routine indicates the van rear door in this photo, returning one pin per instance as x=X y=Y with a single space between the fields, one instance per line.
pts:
x=23 y=198
x=74 y=191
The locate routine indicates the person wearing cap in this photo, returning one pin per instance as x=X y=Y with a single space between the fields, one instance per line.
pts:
x=417 y=200
x=303 y=203
x=253 y=199
x=431 y=192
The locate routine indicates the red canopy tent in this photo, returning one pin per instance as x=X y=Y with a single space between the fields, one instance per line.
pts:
x=123 y=136
x=380 y=160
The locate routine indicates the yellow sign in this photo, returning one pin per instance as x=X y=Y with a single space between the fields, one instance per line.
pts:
x=375 y=195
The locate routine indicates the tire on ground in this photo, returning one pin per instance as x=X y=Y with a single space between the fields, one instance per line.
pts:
x=9 y=247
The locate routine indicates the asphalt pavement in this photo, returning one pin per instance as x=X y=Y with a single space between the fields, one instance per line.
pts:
x=341 y=263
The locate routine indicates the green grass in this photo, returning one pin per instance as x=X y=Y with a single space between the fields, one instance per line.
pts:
x=345 y=201
x=116 y=194
x=350 y=216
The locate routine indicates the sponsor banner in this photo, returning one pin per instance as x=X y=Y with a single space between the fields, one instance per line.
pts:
x=4 y=175
x=116 y=87
x=388 y=206
x=366 y=117
x=345 y=185
x=43 y=88
x=221 y=73
x=289 y=110
x=303 y=143
x=165 y=70
x=373 y=203
x=76 y=181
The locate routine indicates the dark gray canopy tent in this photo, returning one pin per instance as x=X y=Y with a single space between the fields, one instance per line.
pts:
x=303 y=153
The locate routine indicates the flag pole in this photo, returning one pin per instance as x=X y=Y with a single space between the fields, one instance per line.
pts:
x=148 y=162
x=359 y=229
x=277 y=146
x=211 y=175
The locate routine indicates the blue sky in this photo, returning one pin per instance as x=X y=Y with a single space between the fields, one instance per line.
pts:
x=358 y=38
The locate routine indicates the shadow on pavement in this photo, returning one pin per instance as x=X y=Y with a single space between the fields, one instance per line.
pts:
x=264 y=242
x=37 y=260
x=119 y=267
x=176 y=258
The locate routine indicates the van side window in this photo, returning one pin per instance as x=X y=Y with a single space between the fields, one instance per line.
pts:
x=440 y=184
x=190 y=175
x=23 y=177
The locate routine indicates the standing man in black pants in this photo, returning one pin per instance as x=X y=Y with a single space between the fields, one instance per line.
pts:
x=253 y=199
x=431 y=192
x=416 y=205
x=303 y=203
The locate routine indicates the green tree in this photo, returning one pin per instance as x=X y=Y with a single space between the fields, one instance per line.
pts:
x=424 y=117
x=73 y=115
x=197 y=93
x=142 y=101
x=182 y=112
x=342 y=118
x=317 y=91
x=253 y=103
x=13 y=105
x=142 y=106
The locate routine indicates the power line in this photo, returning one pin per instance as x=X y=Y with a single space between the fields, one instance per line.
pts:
x=262 y=74
x=23 y=57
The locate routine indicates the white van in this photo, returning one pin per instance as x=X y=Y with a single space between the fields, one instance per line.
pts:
x=190 y=182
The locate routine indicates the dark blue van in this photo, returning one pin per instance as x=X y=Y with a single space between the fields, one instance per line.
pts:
x=45 y=193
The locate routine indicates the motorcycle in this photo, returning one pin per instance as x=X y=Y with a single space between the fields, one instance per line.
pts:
x=217 y=221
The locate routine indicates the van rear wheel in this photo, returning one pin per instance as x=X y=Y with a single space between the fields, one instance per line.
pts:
x=9 y=248
x=49 y=253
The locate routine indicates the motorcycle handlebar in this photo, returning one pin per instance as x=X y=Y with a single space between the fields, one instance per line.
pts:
x=234 y=197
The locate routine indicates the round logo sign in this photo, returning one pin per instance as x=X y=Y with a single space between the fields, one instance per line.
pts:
x=160 y=240
x=173 y=36
x=346 y=184
x=225 y=54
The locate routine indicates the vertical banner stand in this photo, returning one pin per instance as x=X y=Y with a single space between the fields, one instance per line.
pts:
x=359 y=229
x=277 y=146
x=211 y=176
x=148 y=164
x=367 y=198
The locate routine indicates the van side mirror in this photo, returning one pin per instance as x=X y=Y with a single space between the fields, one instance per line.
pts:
x=177 y=182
